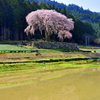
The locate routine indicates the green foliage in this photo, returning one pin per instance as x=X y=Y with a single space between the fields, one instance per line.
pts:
x=82 y=14
x=97 y=41
x=86 y=15
x=50 y=66
x=13 y=13
x=11 y=47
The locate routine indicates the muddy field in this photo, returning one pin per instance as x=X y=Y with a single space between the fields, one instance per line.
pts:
x=65 y=84
x=23 y=56
x=77 y=84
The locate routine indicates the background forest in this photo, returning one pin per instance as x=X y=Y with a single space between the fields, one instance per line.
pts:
x=13 y=23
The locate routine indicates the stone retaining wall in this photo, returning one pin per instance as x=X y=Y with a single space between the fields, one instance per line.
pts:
x=54 y=45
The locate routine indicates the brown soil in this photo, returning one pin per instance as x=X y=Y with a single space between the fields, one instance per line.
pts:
x=67 y=84
x=23 y=56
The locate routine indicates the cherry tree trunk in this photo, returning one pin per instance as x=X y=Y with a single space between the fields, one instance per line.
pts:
x=47 y=37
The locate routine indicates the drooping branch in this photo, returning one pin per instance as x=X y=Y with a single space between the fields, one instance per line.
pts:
x=50 y=22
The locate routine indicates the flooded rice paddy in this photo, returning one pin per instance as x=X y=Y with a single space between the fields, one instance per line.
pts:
x=67 y=84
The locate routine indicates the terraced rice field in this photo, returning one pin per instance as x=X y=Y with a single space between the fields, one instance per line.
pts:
x=11 y=47
x=61 y=80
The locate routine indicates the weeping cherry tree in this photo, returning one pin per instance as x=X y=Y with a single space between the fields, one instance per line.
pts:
x=49 y=22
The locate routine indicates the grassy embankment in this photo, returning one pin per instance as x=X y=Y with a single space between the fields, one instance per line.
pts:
x=46 y=66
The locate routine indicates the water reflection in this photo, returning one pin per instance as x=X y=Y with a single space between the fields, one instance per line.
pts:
x=77 y=84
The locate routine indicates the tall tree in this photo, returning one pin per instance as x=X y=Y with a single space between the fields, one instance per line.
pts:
x=50 y=22
x=6 y=14
x=35 y=6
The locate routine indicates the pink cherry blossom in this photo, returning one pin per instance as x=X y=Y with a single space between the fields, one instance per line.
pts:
x=50 y=22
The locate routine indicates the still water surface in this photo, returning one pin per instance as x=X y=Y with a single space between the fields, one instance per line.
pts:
x=77 y=84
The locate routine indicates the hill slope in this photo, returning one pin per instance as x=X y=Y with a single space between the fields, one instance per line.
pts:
x=75 y=10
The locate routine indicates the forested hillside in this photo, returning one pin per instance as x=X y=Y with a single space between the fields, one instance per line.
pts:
x=86 y=15
x=13 y=23
x=75 y=10
x=51 y=2
x=79 y=12
x=82 y=14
